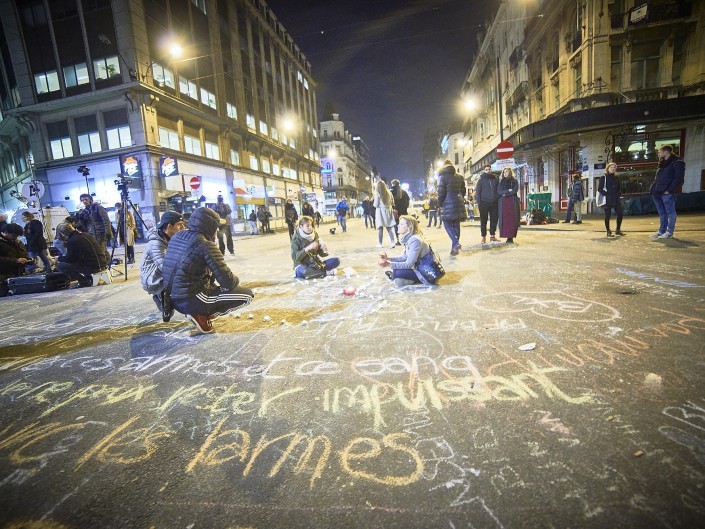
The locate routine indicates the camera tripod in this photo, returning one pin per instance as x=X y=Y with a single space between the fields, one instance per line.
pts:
x=122 y=224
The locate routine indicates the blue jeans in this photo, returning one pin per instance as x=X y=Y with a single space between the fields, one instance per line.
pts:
x=453 y=230
x=405 y=273
x=44 y=256
x=666 y=207
x=309 y=272
x=432 y=216
x=343 y=223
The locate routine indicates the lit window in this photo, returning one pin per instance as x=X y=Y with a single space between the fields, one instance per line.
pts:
x=275 y=134
x=208 y=98
x=275 y=169
x=106 y=68
x=169 y=139
x=310 y=153
x=192 y=145
x=232 y=111
x=88 y=143
x=61 y=148
x=292 y=143
x=299 y=77
x=76 y=74
x=253 y=162
x=188 y=88
x=265 y=165
x=120 y=137
x=306 y=84
x=315 y=133
x=263 y=128
x=234 y=157
x=212 y=151
x=46 y=82
x=250 y=120
x=284 y=138
x=163 y=75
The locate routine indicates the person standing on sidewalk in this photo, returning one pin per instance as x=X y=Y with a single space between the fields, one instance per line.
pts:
x=576 y=195
x=401 y=204
x=341 y=210
x=432 y=210
x=610 y=188
x=131 y=230
x=224 y=211
x=509 y=215
x=669 y=179
x=384 y=216
x=486 y=194
x=94 y=219
x=290 y=216
x=451 y=199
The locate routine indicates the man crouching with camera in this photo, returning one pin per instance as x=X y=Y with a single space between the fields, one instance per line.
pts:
x=200 y=284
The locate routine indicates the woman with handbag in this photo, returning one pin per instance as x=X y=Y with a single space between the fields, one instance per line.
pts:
x=384 y=216
x=405 y=268
x=611 y=197
x=307 y=250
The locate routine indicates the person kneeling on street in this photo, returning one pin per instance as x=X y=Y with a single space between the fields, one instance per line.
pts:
x=158 y=239
x=307 y=250
x=403 y=268
x=200 y=283
x=84 y=255
x=13 y=255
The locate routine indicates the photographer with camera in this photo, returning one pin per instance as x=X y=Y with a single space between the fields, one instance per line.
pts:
x=95 y=220
x=158 y=239
x=199 y=282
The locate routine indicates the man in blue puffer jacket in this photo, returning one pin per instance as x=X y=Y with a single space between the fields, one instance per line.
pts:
x=202 y=286
x=669 y=178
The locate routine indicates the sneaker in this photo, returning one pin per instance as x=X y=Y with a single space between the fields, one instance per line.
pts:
x=398 y=243
x=510 y=241
x=620 y=233
x=202 y=323
x=665 y=235
x=380 y=245
x=454 y=251
x=399 y=282
x=578 y=222
x=388 y=273
x=566 y=222
x=331 y=272
x=393 y=246
x=483 y=240
x=656 y=235
x=494 y=239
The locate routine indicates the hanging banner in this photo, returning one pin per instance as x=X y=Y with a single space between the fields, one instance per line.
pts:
x=168 y=166
x=131 y=166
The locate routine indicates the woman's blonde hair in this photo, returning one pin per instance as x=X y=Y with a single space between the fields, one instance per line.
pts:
x=511 y=171
x=412 y=223
x=610 y=165
x=384 y=194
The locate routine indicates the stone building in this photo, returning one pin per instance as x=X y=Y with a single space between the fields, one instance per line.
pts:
x=345 y=167
x=188 y=99
x=574 y=85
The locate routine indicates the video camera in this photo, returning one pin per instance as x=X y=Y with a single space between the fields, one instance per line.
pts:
x=122 y=184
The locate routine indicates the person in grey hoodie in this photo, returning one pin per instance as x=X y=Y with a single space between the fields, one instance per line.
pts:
x=486 y=195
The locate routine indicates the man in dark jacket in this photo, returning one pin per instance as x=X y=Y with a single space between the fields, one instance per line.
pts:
x=13 y=255
x=341 y=211
x=224 y=211
x=193 y=265
x=669 y=179
x=486 y=195
x=401 y=204
x=451 y=200
x=96 y=222
x=290 y=216
x=84 y=255
x=36 y=243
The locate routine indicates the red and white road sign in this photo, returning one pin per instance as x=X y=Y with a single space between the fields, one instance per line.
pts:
x=195 y=183
x=505 y=150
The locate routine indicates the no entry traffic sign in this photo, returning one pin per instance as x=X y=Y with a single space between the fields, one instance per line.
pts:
x=505 y=150
x=195 y=183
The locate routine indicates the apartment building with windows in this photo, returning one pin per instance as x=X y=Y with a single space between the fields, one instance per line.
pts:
x=189 y=99
x=576 y=84
x=345 y=167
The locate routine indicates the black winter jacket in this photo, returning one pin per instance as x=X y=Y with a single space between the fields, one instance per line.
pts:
x=192 y=259
x=290 y=213
x=614 y=191
x=451 y=194
x=96 y=222
x=83 y=250
x=401 y=200
x=669 y=177
x=10 y=251
x=486 y=188
x=34 y=233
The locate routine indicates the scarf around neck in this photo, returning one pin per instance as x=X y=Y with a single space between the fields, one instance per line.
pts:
x=306 y=236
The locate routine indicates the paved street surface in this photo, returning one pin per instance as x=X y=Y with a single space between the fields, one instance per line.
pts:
x=558 y=382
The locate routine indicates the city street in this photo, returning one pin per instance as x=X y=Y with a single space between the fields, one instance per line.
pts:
x=557 y=382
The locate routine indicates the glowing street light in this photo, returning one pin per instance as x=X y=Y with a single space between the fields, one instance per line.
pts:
x=176 y=50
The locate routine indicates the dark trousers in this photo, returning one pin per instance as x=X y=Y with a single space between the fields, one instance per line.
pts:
x=453 y=230
x=432 y=217
x=608 y=215
x=82 y=274
x=310 y=272
x=215 y=303
x=491 y=209
x=224 y=229
x=291 y=229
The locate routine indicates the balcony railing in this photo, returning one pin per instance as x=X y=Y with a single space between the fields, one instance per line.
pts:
x=666 y=11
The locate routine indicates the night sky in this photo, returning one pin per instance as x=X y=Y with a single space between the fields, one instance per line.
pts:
x=391 y=69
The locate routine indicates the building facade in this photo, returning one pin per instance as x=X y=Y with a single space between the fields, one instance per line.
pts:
x=575 y=85
x=345 y=166
x=100 y=84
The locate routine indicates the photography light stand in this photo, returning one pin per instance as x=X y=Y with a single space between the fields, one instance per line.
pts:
x=122 y=184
